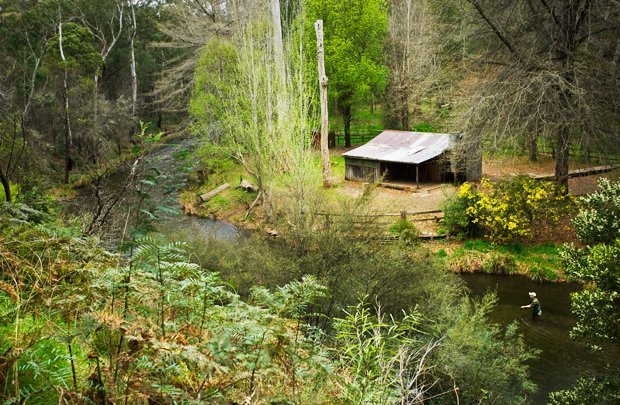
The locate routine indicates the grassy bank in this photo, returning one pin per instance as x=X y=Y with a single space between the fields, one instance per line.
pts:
x=538 y=262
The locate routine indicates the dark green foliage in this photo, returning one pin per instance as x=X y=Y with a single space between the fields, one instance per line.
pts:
x=78 y=45
x=597 y=265
x=456 y=219
x=596 y=305
x=602 y=391
x=598 y=220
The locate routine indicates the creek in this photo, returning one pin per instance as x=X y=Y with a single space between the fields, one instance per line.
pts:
x=560 y=363
x=562 y=360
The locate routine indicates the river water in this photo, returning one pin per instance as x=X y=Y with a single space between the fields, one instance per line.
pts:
x=561 y=361
x=168 y=168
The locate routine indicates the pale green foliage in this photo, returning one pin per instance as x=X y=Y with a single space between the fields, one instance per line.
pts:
x=598 y=220
x=486 y=364
x=385 y=356
x=293 y=299
x=254 y=110
x=216 y=76
x=14 y=192
x=146 y=135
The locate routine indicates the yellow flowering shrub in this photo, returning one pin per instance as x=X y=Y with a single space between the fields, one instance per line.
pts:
x=509 y=210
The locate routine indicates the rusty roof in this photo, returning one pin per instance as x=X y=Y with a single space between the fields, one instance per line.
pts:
x=402 y=147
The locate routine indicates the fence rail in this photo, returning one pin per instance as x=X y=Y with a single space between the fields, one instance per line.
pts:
x=361 y=137
x=404 y=216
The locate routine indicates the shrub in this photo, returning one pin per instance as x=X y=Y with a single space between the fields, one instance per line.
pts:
x=401 y=225
x=499 y=263
x=597 y=390
x=598 y=220
x=14 y=192
x=467 y=262
x=456 y=220
x=442 y=253
x=406 y=231
x=512 y=209
x=541 y=274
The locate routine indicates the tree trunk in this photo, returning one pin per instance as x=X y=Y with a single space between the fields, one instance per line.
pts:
x=278 y=47
x=65 y=94
x=95 y=96
x=68 y=134
x=318 y=26
x=562 y=148
x=533 y=148
x=134 y=76
x=346 y=113
x=404 y=119
x=6 y=185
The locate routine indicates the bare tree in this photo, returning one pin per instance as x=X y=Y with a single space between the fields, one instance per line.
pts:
x=411 y=55
x=547 y=68
x=134 y=75
x=187 y=30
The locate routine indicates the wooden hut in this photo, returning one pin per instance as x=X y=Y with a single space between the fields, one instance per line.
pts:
x=403 y=156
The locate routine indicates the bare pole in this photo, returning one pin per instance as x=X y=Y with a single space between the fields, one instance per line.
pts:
x=318 y=27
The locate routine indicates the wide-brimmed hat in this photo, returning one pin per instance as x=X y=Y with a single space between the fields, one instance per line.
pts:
x=532 y=294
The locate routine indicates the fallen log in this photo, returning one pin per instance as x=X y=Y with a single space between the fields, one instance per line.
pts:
x=247 y=186
x=207 y=196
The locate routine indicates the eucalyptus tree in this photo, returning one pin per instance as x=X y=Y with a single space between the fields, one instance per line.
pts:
x=547 y=68
x=24 y=36
x=410 y=54
x=106 y=20
x=354 y=35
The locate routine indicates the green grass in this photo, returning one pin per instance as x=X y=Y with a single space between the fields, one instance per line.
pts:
x=338 y=166
x=541 y=262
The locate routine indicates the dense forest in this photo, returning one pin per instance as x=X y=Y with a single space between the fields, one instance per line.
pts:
x=130 y=129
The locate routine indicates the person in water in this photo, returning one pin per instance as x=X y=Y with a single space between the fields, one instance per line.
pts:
x=535 y=305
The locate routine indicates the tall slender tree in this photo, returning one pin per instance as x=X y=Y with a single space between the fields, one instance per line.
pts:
x=355 y=31
x=410 y=54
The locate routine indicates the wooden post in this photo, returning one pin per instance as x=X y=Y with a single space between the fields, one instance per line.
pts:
x=318 y=26
x=417 y=176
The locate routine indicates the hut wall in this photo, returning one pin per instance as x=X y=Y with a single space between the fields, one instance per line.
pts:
x=434 y=170
x=361 y=169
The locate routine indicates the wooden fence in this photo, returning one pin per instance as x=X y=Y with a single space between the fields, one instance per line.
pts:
x=419 y=216
x=357 y=138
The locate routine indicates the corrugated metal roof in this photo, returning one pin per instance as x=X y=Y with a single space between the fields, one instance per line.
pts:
x=402 y=147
